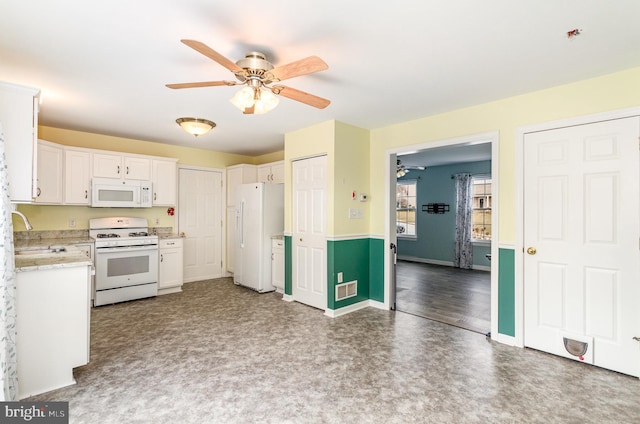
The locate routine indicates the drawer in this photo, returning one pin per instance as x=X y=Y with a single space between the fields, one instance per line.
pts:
x=277 y=243
x=170 y=243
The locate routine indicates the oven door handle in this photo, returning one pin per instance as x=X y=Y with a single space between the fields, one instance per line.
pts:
x=126 y=248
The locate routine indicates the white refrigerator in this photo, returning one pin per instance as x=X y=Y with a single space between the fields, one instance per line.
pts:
x=259 y=216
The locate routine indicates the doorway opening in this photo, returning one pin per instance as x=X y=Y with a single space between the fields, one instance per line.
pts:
x=426 y=283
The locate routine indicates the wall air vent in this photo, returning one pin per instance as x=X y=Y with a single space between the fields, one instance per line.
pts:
x=346 y=290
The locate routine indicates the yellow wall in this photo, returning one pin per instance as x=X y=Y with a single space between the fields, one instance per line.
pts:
x=312 y=141
x=55 y=217
x=186 y=155
x=610 y=92
x=269 y=157
x=351 y=173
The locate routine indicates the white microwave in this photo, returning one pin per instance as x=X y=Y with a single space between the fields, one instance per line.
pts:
x=112 y=193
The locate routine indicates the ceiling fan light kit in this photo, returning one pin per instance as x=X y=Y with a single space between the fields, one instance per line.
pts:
x=256 y=100
x=195 y=126
x=256 y=73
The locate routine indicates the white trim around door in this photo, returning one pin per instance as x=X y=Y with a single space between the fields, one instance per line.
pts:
x=390 y=228
x=521 y=132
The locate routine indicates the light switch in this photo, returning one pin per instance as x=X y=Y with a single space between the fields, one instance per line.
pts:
x=355 y=213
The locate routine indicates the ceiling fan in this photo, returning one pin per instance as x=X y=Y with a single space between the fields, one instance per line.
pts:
x=401 y=169
x=260 y=79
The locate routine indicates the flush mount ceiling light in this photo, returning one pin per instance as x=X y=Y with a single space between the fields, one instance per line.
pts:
x=258 y=75
x=195 y=126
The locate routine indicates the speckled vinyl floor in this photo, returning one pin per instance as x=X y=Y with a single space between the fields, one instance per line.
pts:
x=218 y=353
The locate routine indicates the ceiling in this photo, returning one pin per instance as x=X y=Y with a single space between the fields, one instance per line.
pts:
x=447 y=155
x=103 y=66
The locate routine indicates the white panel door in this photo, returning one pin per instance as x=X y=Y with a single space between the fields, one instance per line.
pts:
x=309 y=244
x=200 y=218
x=581 y=235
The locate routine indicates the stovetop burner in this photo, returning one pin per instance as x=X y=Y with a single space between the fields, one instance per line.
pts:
x=110 y=235
x=139 y=234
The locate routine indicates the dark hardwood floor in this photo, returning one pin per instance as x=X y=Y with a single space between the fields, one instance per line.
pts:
x=450 y=295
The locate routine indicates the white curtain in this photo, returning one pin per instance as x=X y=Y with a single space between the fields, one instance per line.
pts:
x=8 y=355
x=463 y=256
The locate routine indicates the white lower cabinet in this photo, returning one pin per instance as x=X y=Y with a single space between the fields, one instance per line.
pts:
x=170 y=262
x=53 y=327
x=87 y=248
x=277 y=264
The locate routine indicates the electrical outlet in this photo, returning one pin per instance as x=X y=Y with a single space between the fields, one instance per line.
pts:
x=72 y=222
x=156 y=220
x=339 y=277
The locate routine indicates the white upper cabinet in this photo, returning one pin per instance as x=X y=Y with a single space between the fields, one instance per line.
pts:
x=77 y=177
x=19 y=121
x=271 y=172
x=137 y=168
x=49 y=182
x=236 y=175
x=164 y=179
x=119 y=166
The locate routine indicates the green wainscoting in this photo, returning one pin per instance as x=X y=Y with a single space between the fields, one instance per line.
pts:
x=287 y=266
x=363 y=260
x=376 y=269
x=358 y=259
x=351 y=258
x=506 y=292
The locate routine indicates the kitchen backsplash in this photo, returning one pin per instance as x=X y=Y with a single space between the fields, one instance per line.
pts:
x=71 y=234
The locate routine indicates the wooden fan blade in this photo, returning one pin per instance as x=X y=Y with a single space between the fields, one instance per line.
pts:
x=200 y=84
x=212 y=54
x=301 y=96
x=305 y=66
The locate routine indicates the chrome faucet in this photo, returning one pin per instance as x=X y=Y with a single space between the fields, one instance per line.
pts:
x=27 y=224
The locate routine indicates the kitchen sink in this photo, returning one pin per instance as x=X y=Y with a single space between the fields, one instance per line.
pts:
x=41 y=251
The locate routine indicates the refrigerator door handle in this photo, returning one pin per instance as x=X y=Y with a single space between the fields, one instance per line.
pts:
x=241 y=229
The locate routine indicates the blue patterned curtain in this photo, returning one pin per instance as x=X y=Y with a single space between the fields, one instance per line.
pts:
x=463 y=256
x=8 y=367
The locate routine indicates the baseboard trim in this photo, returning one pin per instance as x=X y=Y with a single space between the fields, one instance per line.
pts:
x=424 y=261
x=334 y=313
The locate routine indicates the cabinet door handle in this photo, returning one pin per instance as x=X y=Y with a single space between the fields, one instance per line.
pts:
x=86 y=194
x=118 y=169
x=155 y=196
x=39 y=192
x=161 y=257
x=127 y=170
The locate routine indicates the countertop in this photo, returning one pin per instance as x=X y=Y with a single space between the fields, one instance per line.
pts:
x=35 y=262
x=169 y=236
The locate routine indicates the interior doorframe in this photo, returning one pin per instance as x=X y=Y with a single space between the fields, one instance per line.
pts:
x=521 y=132
x=390 y=211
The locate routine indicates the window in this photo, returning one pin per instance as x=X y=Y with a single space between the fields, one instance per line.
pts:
x=481 y=208
x=406 y=201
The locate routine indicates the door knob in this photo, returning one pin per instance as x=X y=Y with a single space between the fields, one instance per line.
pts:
x=532 y=251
